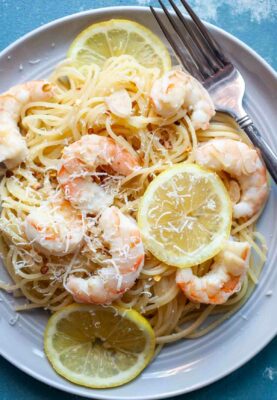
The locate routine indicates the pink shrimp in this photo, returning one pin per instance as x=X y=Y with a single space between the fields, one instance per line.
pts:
x=123 y=237
x=13 y=148
x=224 y=278
x=244 y=164
x=80 y=161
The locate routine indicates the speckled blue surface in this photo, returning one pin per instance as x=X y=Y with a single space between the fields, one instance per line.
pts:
x=254 y=22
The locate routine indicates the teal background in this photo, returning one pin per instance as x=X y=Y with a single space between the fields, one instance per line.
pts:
x=254 y=22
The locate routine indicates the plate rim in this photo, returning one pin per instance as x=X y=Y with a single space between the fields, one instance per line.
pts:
x=235 y=366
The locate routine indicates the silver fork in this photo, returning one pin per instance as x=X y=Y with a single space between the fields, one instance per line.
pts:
x=206 y=61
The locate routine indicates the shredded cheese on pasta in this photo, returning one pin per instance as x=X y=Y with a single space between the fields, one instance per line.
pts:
x=79 y=108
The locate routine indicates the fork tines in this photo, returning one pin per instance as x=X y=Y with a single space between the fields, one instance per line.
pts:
x=203 y=56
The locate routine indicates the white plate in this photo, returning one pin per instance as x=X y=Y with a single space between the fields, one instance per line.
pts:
x=185 y=365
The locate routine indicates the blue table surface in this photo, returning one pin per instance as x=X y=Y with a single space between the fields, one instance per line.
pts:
x=254 y=22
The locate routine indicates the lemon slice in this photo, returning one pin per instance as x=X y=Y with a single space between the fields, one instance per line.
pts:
x=98 y=347
x=115 y=37
x=185 y=215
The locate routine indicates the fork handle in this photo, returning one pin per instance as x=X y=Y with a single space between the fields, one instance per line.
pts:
x=270 y=158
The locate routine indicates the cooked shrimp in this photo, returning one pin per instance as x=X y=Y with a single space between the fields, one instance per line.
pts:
x=13 y=149
x=244 y=164
x=55 y=227
x=79 y=163
x=177 y=89
x=224 y=279
x=109 y=283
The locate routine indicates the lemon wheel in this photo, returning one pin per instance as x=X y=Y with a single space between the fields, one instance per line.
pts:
x=98 y=347
x=185 y=215
x=116 y=37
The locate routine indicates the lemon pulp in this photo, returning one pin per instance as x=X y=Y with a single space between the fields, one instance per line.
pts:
x=116 y=37
x=98 y=346
x=185 y=215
